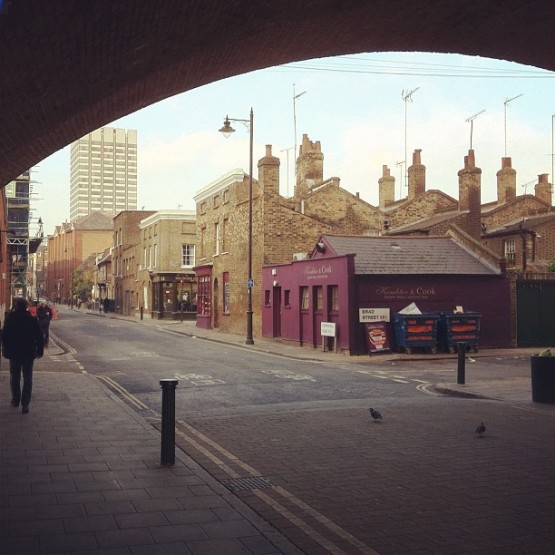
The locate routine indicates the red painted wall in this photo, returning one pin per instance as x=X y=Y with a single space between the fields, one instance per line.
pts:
x=488 y=295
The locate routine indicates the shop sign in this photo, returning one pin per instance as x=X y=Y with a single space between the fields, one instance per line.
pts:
x=377 y=337
x=318 y=272
x=373 y=315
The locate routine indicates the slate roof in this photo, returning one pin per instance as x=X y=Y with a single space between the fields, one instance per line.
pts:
x=527 y=223
x=425 y=224
x=408 y=255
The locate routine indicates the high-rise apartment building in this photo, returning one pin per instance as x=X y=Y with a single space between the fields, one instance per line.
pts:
x=103 y=172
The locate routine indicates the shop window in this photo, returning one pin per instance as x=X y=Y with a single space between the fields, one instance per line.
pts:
x=287 y=297
x=225 y=280
x=203 y=296
x=333 y=293
x=304 y=298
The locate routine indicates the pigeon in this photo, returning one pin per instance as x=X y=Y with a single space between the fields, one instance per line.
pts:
x=480 y=429
x=375 y=414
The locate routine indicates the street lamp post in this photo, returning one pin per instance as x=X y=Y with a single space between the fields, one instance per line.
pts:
x=227 y=130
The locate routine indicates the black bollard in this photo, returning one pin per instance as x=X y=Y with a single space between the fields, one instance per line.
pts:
x=461 y=350
x=167 y=451
x=141 y=312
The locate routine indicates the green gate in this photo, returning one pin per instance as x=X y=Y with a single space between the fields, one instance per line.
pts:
x=535 y=313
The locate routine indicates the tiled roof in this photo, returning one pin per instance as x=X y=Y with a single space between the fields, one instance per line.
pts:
x=96 y=221
x=529 y=222
x=426 y=223
x=408 y=255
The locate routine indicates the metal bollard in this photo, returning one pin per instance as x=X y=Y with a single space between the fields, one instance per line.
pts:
x=461 y=350
x=141 y=312
x=167 y=451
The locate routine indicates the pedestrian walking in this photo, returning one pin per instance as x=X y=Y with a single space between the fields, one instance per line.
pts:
x=44 y=315
x=22 y=342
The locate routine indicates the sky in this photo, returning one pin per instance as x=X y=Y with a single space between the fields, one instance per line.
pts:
x=364 y=109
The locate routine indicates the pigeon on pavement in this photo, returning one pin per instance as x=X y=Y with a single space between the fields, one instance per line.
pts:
x=375 y=414
x=480 y=429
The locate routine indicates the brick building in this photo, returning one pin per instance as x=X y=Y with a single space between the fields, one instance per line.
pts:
x=287 y=228
x=282 y=228
x=166 y=256
x=125 y=237
x=69 y=245
x=519 y=228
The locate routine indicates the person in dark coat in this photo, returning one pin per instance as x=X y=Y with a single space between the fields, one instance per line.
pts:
x=22 y=343
x=44 y=315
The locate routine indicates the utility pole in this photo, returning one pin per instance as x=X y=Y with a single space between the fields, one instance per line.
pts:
x=407 y=97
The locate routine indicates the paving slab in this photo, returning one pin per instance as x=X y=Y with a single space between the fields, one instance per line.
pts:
x=81 y=473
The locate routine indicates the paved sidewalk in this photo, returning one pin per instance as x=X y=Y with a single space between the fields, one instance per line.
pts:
x=81 y=474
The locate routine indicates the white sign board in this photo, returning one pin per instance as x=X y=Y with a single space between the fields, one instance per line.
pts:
x=327 y=329
x=373 y=314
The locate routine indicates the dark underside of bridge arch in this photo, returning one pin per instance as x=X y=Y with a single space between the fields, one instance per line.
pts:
x=70 y=66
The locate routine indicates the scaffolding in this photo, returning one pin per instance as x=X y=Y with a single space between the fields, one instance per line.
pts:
x=19 y=242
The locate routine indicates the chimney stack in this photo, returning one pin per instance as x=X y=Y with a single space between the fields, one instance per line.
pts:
x=309 y=167
x=386 y=188
x=506 y=181
x=268 y=172
x=416 y=175
x=543 y=188
x=470 y=195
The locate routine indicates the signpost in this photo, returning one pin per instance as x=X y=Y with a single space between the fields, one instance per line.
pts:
x=328 y=329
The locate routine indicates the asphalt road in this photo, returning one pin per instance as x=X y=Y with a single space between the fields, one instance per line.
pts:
x=294 y=440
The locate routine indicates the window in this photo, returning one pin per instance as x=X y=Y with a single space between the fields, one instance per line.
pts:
x=304 y=298
x=287 y=297
x=203 y=295
x=333 y=292
x=187 y=255
x=510 y=251
x=155 y=255
x=226 y=292
x=216 y=238
x=267 y=297
x=224 y=235
x=318 y=298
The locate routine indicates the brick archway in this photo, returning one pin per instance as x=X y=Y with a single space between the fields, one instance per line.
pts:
x=71 y=66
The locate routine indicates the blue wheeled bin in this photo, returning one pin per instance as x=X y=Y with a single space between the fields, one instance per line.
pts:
x=416 y=331
x=456 y=328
